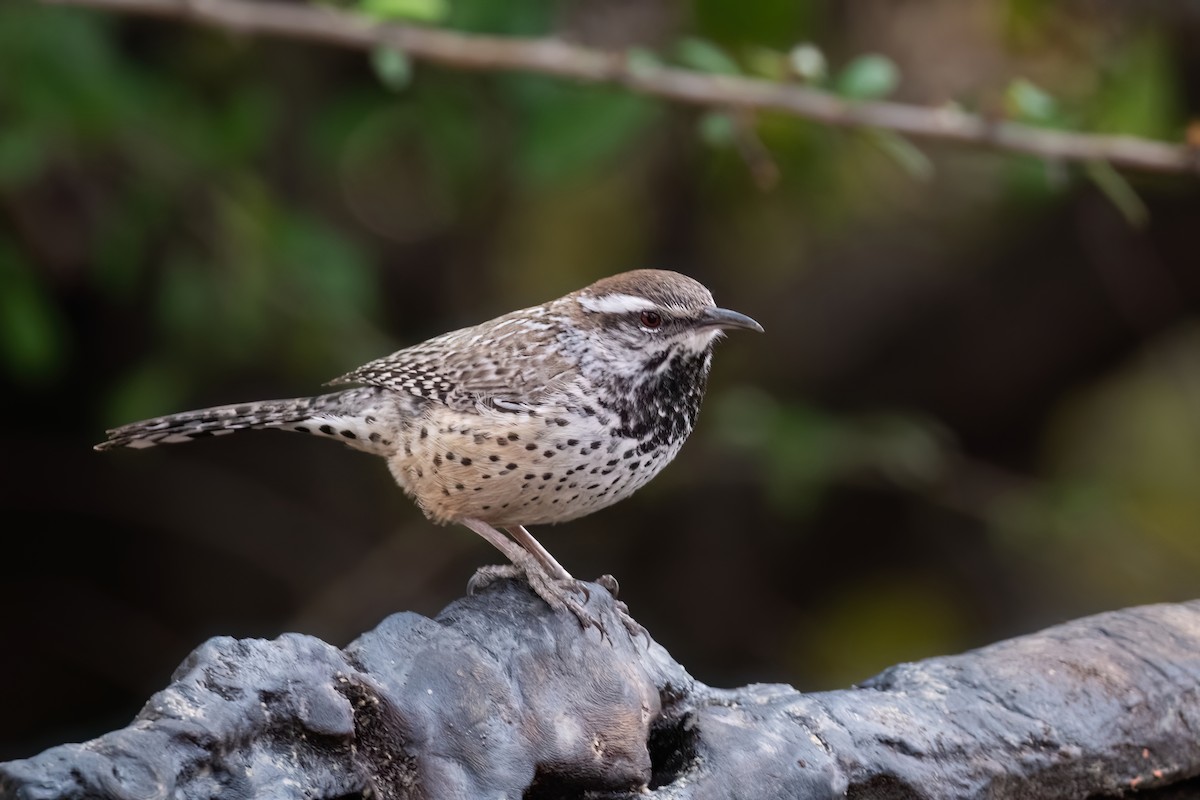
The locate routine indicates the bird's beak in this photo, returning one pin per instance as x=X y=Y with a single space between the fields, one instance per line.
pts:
x=724 y=318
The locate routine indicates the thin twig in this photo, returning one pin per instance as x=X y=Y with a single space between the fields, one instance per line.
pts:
x=551 y=56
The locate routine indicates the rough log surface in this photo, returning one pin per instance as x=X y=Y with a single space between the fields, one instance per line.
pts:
x=499 y=697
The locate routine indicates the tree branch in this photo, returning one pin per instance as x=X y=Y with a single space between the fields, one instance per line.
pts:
x=550 y=56
x=501 y=697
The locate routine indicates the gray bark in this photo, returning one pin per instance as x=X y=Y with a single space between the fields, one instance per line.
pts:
x=500 y=697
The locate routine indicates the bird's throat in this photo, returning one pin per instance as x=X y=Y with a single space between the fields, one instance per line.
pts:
x=659 y=407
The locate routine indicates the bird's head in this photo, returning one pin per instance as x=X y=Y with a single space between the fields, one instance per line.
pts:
x=642 y=322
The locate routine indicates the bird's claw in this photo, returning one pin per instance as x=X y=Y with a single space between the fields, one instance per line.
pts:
x=558 y=594
x=486 y=576
x=632 y=626
x=609 y=583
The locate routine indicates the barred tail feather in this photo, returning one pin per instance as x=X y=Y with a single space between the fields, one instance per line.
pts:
x=353 y=407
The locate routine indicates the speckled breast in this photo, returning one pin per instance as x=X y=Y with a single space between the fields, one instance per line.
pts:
x=526 y=468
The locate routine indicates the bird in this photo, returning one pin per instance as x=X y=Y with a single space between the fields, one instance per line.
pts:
x=540 y=416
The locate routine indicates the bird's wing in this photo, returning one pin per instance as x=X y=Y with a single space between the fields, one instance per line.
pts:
x=508 y=365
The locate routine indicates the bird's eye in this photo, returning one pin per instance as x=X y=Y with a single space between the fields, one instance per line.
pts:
x=651 y=319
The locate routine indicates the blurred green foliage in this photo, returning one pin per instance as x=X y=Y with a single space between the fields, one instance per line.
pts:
x=33 y=340
x=704 y=56
x=393 y=67
x=1138 y=94
x=771 y=23
x=1026 y=101
x=806 y=449
x=181 y=219
x=1122 y=460
x=405 y=10
x=569 y=130
x=868 y=77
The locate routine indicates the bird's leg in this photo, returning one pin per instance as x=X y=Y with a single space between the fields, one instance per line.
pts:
x=522 y=562
x=608 y=582
x=548 y=562
x=497 y=539
x=546 y=576
x=526 y=540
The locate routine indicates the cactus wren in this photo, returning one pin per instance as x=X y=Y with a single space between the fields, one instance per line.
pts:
x=539 y=416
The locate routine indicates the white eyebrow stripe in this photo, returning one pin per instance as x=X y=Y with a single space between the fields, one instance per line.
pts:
x=616 y=303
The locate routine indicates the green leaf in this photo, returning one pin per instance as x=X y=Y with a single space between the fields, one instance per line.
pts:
x=392 y=67
x=1027 y=101
x=24 y=152
x=808 y=63
x=642 y=61
x=417 y=10
x=704 y=56
x=1118 y=190
x=1140 y=94
x=910 y=157
x=717 y=129
x=868 y=77
x=33 y=340
x=766 y=63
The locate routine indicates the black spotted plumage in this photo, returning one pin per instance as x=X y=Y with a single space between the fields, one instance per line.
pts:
x=662 y=407
x=512 y=359
x=372 y=409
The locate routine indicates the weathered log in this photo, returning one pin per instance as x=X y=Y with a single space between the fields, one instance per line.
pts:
x=500 y=697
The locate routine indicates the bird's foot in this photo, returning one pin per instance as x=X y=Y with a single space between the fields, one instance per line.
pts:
x=561 y=594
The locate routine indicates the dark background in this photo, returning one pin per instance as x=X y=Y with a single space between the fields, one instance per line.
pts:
x=976 y=410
